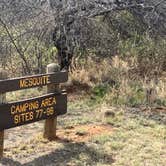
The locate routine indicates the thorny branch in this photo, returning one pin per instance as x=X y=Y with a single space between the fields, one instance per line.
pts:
x=68 y=15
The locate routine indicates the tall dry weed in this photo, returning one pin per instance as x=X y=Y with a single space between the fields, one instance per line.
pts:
x=126 y=88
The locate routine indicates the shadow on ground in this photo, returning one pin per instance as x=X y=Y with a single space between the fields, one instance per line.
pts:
x=72 y=154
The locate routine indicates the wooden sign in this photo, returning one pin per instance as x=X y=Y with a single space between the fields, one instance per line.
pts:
x=32 y=81
x=28 y=111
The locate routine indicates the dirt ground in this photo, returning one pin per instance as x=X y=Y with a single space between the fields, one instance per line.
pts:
x=21 y=149
x=83 y=139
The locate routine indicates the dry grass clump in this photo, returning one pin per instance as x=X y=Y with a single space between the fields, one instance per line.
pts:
x=161 y=88
x=95 y=71
x=117 y=81
x=90 y=73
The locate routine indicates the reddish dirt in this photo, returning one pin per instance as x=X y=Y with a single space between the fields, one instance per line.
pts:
x=82 y=133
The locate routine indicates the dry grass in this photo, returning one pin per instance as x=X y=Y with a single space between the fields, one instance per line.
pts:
x=117 y=81
x=127 y=138
x=137 y=137
x=91 y=72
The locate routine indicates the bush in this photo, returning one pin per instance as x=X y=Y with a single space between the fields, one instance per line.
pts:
x=149 y=54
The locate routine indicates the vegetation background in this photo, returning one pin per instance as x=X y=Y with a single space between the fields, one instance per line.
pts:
x=117 y=77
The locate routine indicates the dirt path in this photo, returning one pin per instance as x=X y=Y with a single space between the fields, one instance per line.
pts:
x=27 y=147
x=80 y=142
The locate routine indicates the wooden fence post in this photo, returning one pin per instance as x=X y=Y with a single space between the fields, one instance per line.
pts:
x=3 y=75
x=51 y=123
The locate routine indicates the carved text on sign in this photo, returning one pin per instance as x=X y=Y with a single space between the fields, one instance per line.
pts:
x=36 y=81
x=24 y=112
x=32 y=110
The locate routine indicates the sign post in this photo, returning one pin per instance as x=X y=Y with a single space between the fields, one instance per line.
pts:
x=51 y=123
x=3 y=75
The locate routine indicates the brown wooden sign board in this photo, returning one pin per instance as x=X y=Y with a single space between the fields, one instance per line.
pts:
x=32 y=81
x=32 y=110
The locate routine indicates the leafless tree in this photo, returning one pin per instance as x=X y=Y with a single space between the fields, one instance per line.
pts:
x=73 y=24
x=20 y=23
x=70 y=14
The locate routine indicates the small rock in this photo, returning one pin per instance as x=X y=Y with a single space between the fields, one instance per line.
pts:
x=109 y=114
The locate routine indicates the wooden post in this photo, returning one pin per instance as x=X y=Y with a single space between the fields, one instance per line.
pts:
x=151 y=93
x=3 y=75
x=51 y=123
x=150 y=96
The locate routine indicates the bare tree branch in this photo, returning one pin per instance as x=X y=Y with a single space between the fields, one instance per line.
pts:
x=15 y=45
